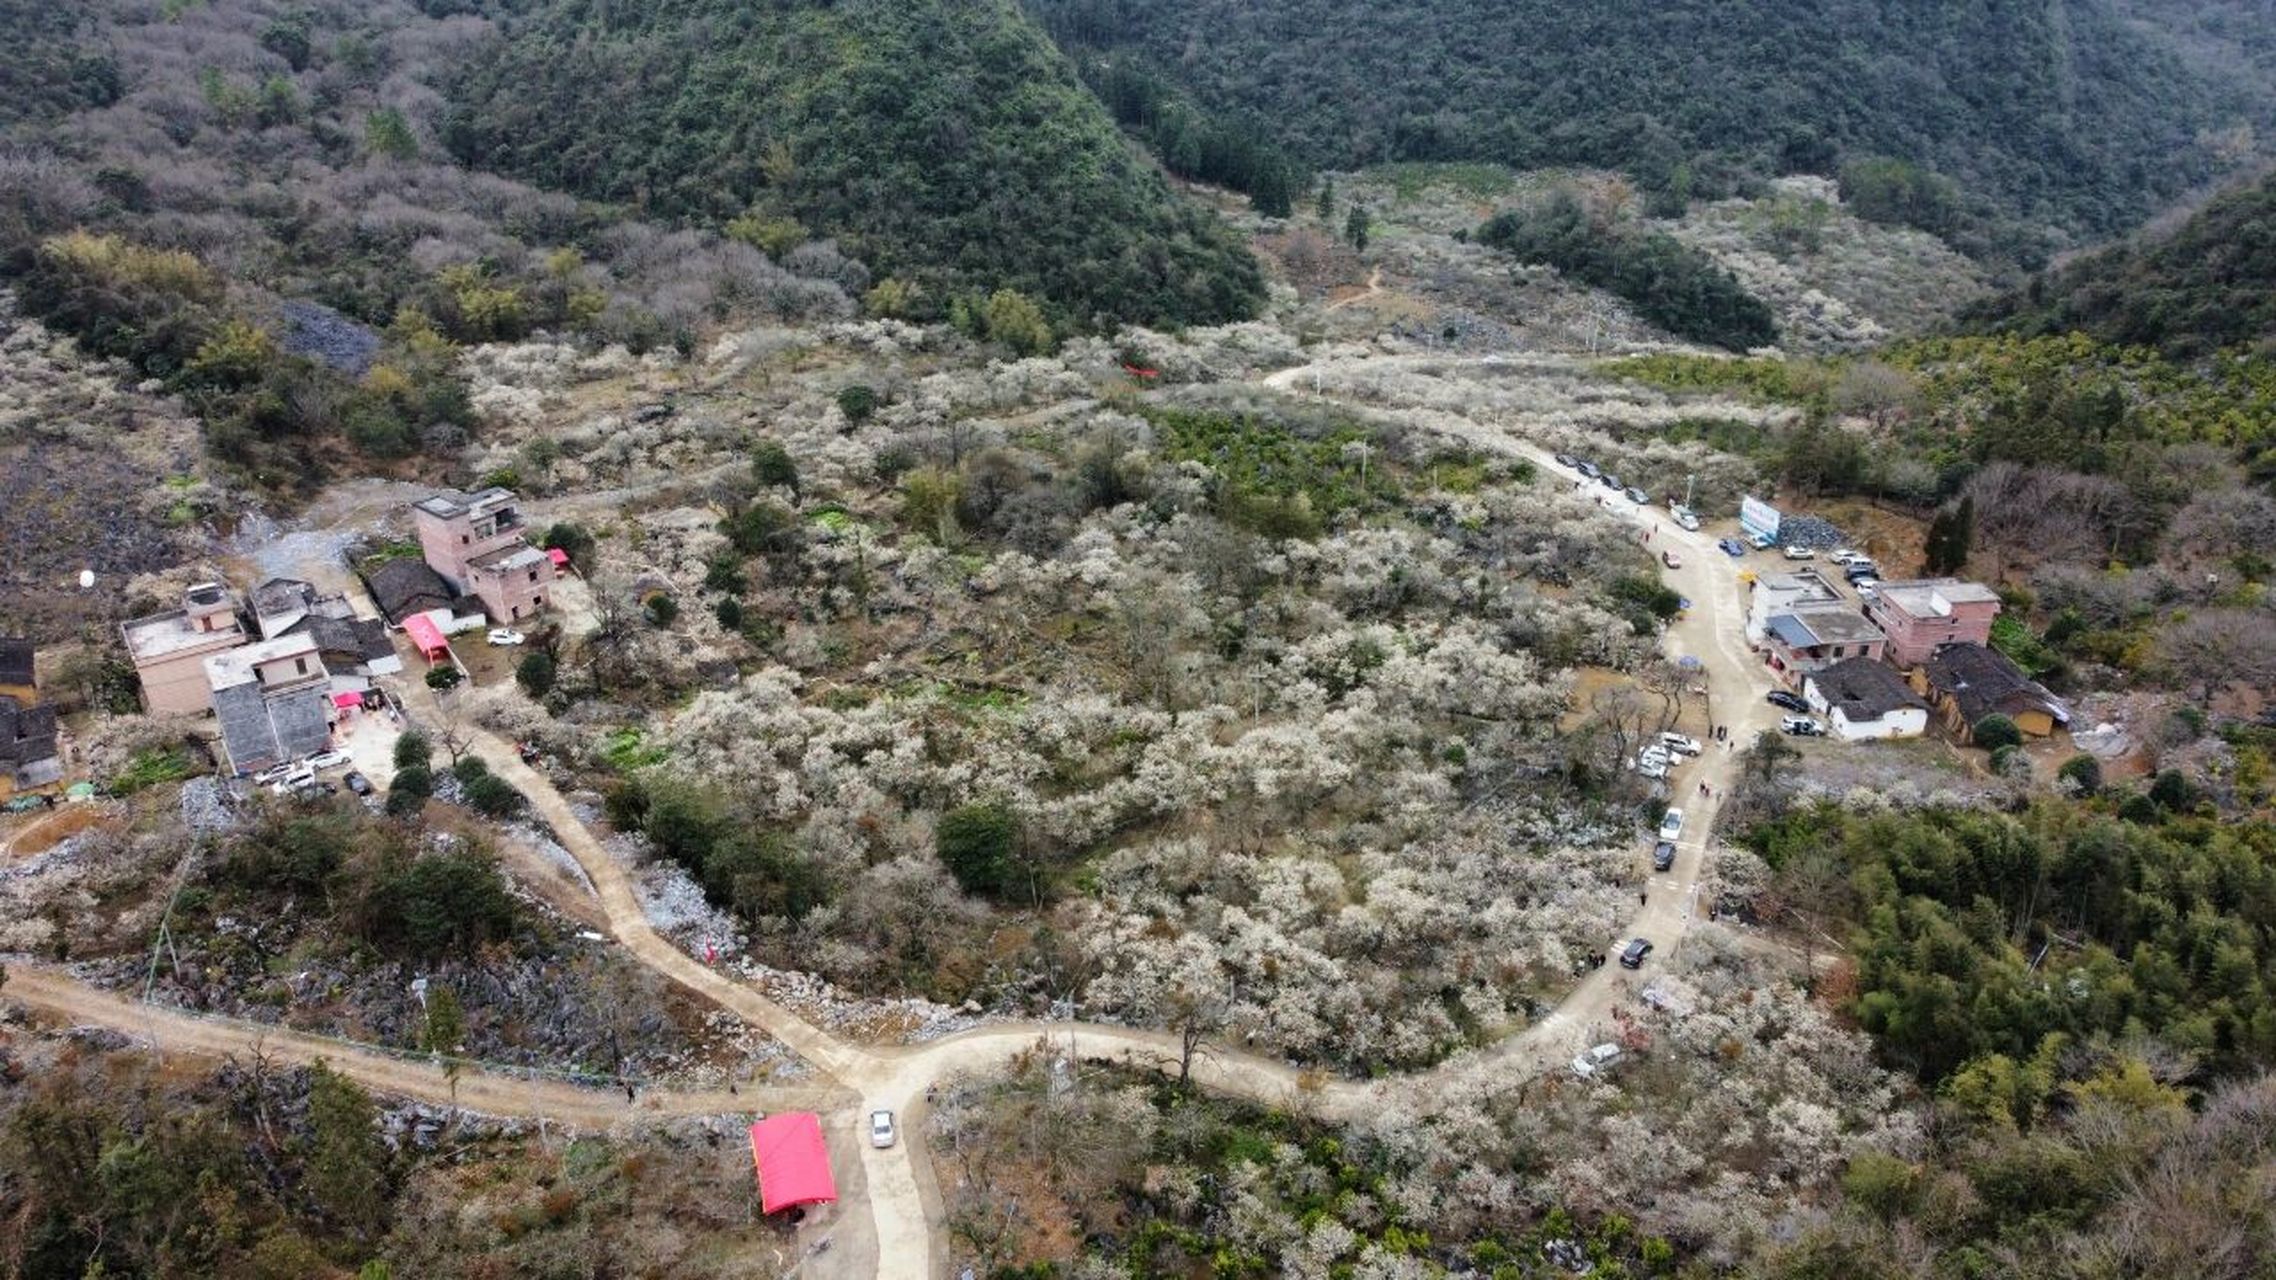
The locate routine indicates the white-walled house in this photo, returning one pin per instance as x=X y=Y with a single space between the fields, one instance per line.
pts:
x=1864 y=698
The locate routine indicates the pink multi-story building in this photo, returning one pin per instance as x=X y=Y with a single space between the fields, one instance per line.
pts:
x=479 y=547
x=1920 y=617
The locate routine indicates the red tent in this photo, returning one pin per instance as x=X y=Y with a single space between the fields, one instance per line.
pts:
x=560 y=560
x=794 y=1166
x=425 y=634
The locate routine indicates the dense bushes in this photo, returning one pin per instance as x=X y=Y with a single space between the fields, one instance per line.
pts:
x=1677 y=288
x=2209 y=284
x=1984 y=933
x=2096 y=123
x=747 y=867
x=380 y=888
x=949 y=146
x=1281 y=480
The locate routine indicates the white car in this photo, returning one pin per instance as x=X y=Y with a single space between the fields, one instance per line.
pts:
x=328 y=760
x=1681 y=744
x=1685 y=518
x=296 y=778
x=275 y=773
x=1597 y=1059
x=1800 y=553
x=1654 y=767
x=507 y=637
x=1671 y=826
x=1842 y=555
x=881 y=1133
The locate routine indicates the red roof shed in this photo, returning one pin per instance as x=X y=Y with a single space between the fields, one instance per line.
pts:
x=793 y=1165
x=429 y=637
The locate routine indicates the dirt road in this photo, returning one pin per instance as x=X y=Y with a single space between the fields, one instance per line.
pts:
x=889 y=1223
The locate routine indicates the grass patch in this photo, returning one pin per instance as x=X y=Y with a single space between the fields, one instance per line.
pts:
x=627 y=750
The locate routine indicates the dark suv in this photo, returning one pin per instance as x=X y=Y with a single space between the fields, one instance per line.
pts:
x=1663 y=855
x=1632 y=955
x=1781 y=698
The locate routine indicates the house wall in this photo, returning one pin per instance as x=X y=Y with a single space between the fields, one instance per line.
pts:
x=1907 y=722
x=1912 y=640
x=450 y=545
x=175 y=685
x=513 y=595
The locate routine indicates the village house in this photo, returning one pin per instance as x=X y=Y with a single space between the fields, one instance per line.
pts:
x=1776 y=593
x=353 y=649
x=1811 y=637
x=17 y=678
x=1920 y=617
x=1966 y=682
x=169 y=649
x=405 y=587
x=478 y=545
x=1864 y=698
x=29 y=757
x=273 y=700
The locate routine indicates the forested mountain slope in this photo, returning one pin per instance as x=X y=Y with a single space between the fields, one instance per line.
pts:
x=2068 y=114
x=946 y=143
x=2208 y=284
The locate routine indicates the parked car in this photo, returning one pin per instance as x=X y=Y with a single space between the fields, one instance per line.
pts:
x=1638 y=496
x=1800 y=553
x=328 y=760
x=1867 y=588
x=507 y=637
x=1842 y=555
x=1651 y=766
x=1566 y=460
x=1587 y=469
x=357 y=783
x=1761 y=541
x=1594 y=1060
x=1681 y=744
x=1671 y=825
x=1781 y=698
x=881 y=1128
x=1611 y=481
x=1632 y=955
x=1860 y=568
x=1732 y=547
x=300 y=778
x=275 y=773
x=1802 y=727
x=1663 y=856
x=1685 y=517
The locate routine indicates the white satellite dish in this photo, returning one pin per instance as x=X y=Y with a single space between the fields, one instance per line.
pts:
x=86 y=579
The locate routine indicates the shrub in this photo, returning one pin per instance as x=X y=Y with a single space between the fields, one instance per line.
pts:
x=413 y=749
x=857 y=402
x=729 y=611
x=571 y=538
x=661 y=610
x=1995 y=731
x=486 y=792
x=978 y=843
x=772 y=465
x=535 y=674
x=2083 y=772
x=444 y=677
x=2172 y=792
x=408 y=793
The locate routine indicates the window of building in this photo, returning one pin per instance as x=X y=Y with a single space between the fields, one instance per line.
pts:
x=300 y=666
x=533 y=575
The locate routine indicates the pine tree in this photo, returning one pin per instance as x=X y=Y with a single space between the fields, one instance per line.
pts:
x=1327 y=204
x=1355 y=228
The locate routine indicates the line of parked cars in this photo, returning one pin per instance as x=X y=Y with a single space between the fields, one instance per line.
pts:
x=1659 y=755
x=298 y=776
x=1684 y=516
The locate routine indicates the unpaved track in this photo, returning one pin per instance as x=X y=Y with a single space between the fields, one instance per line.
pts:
x=897 y=1239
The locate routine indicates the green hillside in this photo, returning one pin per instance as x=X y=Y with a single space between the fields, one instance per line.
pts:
x=947 y=144
x=2210 y=283
x=2056 y=120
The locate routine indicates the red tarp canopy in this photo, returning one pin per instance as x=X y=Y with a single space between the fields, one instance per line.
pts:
x=346 y=700
x=559 y=558
x=425 y=634
x=794 y=1166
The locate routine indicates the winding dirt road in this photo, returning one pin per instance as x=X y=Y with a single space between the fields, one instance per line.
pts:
x=901 y=1233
